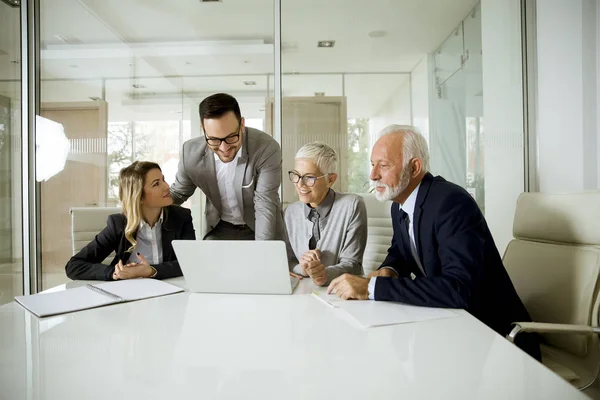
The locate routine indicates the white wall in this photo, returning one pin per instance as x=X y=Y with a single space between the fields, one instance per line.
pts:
x=567 y=81
x=502 y=114
x=419 y=89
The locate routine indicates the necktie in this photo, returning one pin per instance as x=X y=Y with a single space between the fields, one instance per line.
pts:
x=313 y=216
x=409 y=247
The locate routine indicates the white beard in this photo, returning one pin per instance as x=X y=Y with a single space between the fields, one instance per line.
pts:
x=391 y=192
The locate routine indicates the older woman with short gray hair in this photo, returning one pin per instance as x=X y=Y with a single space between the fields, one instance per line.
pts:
x=326 y=231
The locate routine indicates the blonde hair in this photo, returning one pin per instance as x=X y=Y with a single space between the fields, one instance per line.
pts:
x=131 y=193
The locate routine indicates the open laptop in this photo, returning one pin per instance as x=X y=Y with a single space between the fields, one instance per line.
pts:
x=231 y=266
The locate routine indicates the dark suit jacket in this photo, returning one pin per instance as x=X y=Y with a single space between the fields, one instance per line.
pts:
x=461 y=262
x=177 y=224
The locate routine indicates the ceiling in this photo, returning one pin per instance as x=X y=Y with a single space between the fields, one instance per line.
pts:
x=177 y=51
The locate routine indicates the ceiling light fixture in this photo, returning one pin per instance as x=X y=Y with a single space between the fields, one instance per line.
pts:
x=138 y=86
x=210 y=1
x=319 y=94
x=250 y=83
x=94 y=98
x=326 y=43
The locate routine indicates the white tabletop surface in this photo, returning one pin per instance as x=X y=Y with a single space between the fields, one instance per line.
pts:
x=207 y=346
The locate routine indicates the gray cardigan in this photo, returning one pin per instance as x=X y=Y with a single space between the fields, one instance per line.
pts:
x=343 y=227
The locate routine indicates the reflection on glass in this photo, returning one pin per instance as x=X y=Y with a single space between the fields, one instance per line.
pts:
x=120 y=155
x=449 y=56
x=358 y=155
x=11 y=266
x=135 y=75
x=125 y=80
x=346 y=111
x=474 y=99
x=457 y=110
x=52 y=148
x=475 y=160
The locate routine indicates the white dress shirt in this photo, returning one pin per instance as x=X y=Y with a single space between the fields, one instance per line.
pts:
x=409 y=208
x=149 y=243
x=230 y=209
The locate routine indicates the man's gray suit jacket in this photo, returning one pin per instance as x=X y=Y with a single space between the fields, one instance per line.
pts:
x=256 y=182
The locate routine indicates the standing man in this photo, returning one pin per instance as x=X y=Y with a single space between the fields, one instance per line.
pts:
x=442 y=252
x=239 y=171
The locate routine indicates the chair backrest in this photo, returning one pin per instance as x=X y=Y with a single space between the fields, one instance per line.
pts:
x=86 y=223
x=554 y=262
x=380 y=232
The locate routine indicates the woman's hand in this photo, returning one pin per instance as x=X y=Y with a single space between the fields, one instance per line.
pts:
x=311 y=255
x=133 y=270
x=293 y=275
x=316 y=270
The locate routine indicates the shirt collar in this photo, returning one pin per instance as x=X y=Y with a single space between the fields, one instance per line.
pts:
x=158 y=223
x=237 y=155
x=323 y=208
x=409 y=205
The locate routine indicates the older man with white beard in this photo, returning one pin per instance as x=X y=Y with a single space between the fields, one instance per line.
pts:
x=442 y=253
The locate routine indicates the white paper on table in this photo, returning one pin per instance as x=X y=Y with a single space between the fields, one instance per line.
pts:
x=371 y=313
x=138 y=289
x=331 y=300
x=85 y=297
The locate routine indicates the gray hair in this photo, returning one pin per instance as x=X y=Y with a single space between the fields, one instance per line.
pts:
x=414 y=145
x=324 y=157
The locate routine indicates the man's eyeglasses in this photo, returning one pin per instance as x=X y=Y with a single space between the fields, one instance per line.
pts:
x=230 y=139
x=307 y=180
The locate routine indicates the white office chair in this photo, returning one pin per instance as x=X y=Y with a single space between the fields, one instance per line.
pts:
x=554 y=263
x=379 y=221
x=86 y=223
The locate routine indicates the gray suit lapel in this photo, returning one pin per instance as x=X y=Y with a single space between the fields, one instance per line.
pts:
x=208 y=164
x=240 y=172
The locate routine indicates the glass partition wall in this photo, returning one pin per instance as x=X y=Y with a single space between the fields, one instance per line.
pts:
x=127 y=88
x=11 y=258
x=124 y=78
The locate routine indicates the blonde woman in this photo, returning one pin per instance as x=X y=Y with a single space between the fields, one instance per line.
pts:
x=141 y=236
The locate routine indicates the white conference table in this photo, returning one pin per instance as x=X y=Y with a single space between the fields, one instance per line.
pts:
x=208 y=346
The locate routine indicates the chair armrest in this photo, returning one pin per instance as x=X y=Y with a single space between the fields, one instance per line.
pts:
x=542 y=327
